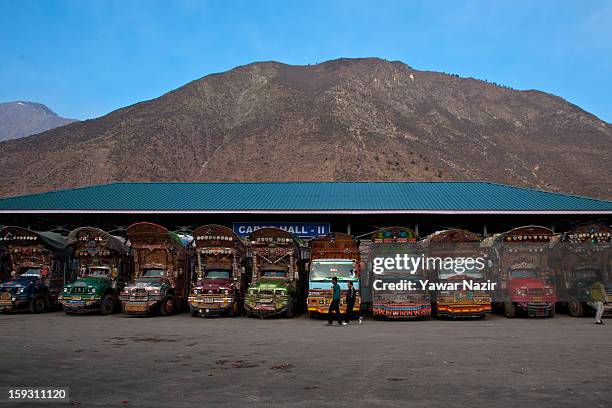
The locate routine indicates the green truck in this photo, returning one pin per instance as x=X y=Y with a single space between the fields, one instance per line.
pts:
x=275 y=287
x=104 y=267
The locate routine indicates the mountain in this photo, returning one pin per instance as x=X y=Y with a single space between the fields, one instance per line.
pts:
x=19 y=119
x=347 y=119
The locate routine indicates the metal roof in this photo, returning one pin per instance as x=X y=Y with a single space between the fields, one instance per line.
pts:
x=306 y=197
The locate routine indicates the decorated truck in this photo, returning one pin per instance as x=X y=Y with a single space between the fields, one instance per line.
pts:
x=581 y=257
x=104 y=267
x=220 y=272
x=275 y=280
x=519 y=265
x=397 y=304
x=161 y=271
x=39 y=264
x=334 y=254
x=456 y=258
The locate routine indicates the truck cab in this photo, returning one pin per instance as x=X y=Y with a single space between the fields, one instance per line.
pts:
x=520 y=264
x=275 y=286
x=334 y=254
x=391 y=303
x=161 y=272
x=457 y=244
x=104 y=267
x=220 y=272
x=582 y=257
x=39 y=264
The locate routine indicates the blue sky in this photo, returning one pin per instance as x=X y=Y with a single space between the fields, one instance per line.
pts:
x=86 y=58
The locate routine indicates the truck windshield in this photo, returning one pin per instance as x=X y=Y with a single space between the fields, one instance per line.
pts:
x=522 y=273
x=472 y=271
x=98 y=272
x=325 y=270
x=27 y=271
x=153 y=273
x=273 y=273
x=217 y=274
x=586 y=274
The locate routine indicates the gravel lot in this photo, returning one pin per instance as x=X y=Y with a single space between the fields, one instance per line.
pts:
x=183 y=361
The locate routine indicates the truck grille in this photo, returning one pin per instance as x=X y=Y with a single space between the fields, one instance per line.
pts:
x=536 y=291
x=79 y=289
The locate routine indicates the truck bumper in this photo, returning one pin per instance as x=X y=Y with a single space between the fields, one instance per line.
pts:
x=266 y=309
x=534 y=309
x=324 y=308
x=7 y=306
x=462 y=310
x=207 y=306
x=80 y=305
x=401 y=311
x=131 y=308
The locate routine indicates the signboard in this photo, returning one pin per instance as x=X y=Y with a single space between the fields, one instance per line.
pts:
x=299 y=229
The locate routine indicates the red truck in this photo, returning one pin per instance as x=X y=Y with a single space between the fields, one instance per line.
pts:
x=519 y=264
x=220 y=272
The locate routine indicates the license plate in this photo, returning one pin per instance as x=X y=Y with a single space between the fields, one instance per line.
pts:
x=537 y=299
x=135 y=308
x=76 y=302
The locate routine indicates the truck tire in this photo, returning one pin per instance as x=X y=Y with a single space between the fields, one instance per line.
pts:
x=107 y=305
x=167 y=306
x=509 y=309
x=575 y=308
x=289 y=312
x=552 y=311
x=38 y=304
x=194 y=312
x=234 y=310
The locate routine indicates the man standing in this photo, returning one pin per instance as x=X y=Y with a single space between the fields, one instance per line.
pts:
x=598 y=297
x=351 y=297
x=334 y=306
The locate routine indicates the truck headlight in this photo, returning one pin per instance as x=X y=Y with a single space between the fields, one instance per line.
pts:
x=226 y=292
x=20 y=290
x=66 y=290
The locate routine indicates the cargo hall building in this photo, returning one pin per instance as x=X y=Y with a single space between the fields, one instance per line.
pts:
x=307 y=209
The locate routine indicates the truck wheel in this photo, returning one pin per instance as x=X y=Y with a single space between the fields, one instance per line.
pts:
x=107 y=306
x=194 y=312
x=167 y=306
x=234 y=310
x=575 y=308
x=552 y=311
x=289 y=312
x=38 y=304
x=509 y=309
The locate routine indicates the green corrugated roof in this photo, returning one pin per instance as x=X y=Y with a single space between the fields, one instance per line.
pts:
x=305 y=197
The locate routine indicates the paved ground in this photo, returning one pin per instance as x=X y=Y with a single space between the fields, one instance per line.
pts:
x=183 y=361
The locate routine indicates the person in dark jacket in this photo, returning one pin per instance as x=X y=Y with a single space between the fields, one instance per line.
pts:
x=351 y=297
x=334 y=306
